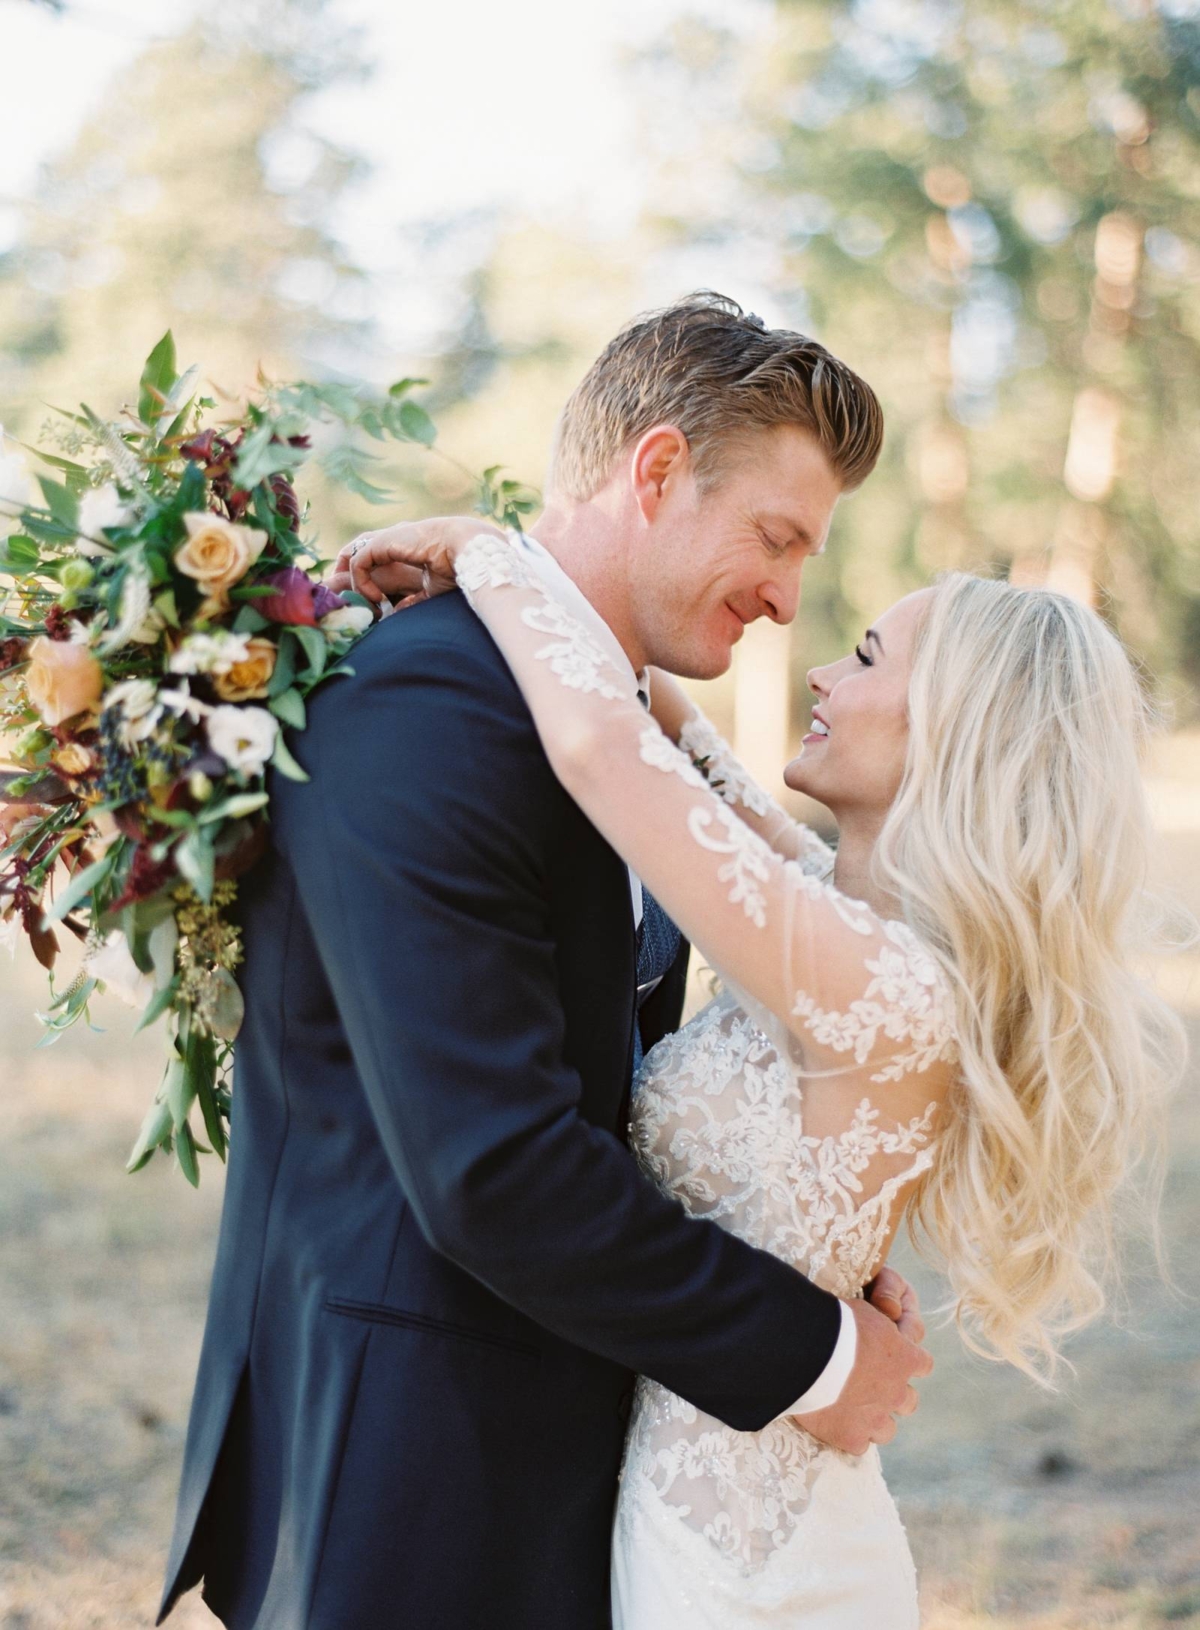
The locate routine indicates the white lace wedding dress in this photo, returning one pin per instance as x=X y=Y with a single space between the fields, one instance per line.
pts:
x=796 y=1110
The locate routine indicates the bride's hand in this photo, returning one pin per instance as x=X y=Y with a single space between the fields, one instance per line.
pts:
x=406 y=563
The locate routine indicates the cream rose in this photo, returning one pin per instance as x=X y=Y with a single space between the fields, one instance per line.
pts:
x=247 y=678
x=346 y=622
x=63 y=678
x=72 y=759
x=218 y=553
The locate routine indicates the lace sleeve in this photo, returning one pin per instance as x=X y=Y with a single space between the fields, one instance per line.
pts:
x=730 y=780
x=853 y=990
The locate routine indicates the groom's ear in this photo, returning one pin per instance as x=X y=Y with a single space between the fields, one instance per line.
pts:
x=661 y=461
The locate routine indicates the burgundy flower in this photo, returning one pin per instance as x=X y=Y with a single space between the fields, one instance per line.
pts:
x=286 y=501
x=292 y=601
x=214 y=451
x=146 y=877
x=58 y=622
x=12 y=651
x=297 y=598
x=325 y=600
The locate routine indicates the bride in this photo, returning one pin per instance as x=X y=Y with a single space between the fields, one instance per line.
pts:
x=938 y=1022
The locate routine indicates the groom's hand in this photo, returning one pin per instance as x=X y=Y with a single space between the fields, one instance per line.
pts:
x=879 y=1387
x=892 y=1294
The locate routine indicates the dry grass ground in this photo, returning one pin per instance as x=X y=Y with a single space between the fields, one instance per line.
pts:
x=1026 y=1512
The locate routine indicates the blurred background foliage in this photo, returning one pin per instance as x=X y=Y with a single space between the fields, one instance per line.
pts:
x=991 y=209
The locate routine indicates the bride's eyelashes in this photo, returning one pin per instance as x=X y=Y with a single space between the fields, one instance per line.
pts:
x=867 y=662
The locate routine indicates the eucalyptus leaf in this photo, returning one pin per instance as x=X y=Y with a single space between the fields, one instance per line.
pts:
x=185 y=1153
x=83 y=883
x=178 y=1091
x=207 y=1098
x=285 y=664
x=62 y=503
x=157 y=1006
x=417 y=425
x=163 y=943
x=19 y=554
x=232 y=809
x=194 y=857
x=249 y=621
x=289 y=706
x=283 y=761
x=316 y=648
x=156 y=1128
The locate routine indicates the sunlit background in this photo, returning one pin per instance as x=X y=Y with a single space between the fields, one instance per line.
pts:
x=991 y=208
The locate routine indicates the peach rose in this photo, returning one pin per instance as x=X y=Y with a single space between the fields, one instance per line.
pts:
x=218 y=553
x=63 y=678
x=247 y=679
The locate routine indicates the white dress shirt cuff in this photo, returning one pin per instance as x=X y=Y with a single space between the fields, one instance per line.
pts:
x=827 y=1388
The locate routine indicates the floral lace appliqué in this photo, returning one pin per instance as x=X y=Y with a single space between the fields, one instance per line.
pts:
x=489 y=562
x=749 y=863
x=906 y=1000
x=579 y=661
x=718 y=1123
x=728 y=777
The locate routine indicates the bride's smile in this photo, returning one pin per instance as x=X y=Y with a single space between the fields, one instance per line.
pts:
x=853 y=756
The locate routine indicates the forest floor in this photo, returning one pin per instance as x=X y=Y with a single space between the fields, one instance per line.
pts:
x=1027 y=1511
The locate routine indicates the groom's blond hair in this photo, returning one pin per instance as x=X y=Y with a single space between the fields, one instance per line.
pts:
x=718 y=374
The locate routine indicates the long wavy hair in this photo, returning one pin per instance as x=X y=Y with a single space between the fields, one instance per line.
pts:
x=1019 y=845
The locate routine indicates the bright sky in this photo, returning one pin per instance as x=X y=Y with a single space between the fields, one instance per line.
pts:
x=521 y=103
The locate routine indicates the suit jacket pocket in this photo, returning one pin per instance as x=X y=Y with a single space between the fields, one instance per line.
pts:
x=377 y=1313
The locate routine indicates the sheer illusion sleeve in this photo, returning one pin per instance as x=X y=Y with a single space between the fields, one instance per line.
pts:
x=731 y=781
x=854 y=990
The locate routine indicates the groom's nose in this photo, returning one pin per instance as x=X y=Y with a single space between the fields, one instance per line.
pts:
x=780 y=597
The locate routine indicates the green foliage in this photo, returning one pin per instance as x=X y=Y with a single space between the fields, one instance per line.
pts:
x=989 y=209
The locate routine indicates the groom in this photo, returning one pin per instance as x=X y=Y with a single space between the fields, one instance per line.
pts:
x=439 y=1267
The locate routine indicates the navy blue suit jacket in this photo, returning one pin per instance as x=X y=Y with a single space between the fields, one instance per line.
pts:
x=438 y=1265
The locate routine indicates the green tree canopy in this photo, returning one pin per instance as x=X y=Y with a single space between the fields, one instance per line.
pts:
x=992 y=208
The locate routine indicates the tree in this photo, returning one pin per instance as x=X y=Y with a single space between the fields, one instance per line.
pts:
x=990 y=208
x=196 y=200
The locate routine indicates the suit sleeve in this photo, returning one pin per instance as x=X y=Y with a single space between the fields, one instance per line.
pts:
x=426 y=891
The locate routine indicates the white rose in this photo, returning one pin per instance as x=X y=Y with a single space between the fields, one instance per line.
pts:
x=100 y=508
x=10 y=930
x=243 y=736
x=113 y=964
x=345 y=620
x=210 y=653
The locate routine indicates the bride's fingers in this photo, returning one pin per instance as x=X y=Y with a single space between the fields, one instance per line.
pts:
x=909 y=1404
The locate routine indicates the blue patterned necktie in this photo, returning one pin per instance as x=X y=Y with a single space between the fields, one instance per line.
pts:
x=657 y=948
x=657 y=939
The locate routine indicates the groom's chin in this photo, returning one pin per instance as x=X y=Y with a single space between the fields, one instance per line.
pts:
x=707 y=664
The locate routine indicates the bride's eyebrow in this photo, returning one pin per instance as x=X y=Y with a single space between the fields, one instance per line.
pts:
x=872 y=635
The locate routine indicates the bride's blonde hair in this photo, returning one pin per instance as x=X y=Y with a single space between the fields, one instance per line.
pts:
x=1019 y=844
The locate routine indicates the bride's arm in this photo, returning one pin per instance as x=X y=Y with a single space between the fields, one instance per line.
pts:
x=685 y=723
x=792 y=942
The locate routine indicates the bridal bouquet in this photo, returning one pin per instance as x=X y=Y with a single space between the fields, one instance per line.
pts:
x=161 y=621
